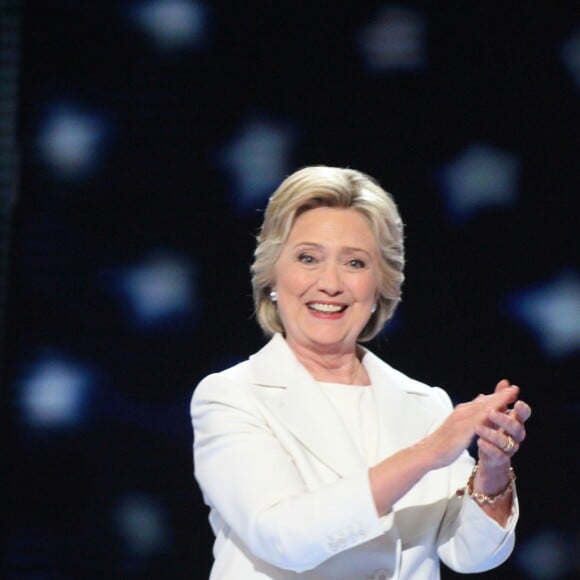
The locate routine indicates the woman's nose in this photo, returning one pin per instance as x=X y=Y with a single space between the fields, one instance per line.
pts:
x=330 y=280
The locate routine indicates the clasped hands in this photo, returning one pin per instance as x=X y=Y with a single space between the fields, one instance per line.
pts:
x=498 y=421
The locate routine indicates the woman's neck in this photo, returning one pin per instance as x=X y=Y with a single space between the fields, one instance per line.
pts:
x=343 y=367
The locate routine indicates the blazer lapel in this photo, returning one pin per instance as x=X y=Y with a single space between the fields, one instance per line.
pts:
x=303 y=408
x=401 y=420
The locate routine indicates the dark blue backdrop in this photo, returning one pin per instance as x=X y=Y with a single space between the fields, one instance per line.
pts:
x=152 y=132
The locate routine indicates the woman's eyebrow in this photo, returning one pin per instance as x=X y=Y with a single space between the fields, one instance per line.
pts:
x=309 y=244
x=355 y=249
x=318 y=246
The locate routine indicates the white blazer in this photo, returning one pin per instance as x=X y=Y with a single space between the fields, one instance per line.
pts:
x=288 y=489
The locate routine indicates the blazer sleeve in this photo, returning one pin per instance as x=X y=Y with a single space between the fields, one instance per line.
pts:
x=468 y=540
x=248 y=477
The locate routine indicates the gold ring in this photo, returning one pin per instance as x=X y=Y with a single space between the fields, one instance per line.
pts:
x=509 y=445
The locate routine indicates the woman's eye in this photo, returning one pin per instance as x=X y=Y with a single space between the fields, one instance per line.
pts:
x=356 y=263
x=306 y=259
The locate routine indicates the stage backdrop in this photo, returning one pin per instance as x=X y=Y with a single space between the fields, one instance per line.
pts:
x=151 y=134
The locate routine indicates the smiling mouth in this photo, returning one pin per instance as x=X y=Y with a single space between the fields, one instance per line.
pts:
x=326 y=308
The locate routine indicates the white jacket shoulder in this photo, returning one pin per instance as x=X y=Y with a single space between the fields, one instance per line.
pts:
x=381 y=372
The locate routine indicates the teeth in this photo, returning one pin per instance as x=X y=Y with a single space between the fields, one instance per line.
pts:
x=326 y=307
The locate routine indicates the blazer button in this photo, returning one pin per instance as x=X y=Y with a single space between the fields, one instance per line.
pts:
x=381 y=575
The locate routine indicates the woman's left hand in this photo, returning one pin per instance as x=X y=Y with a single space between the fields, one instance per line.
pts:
x=503 y=435
x=500 y=438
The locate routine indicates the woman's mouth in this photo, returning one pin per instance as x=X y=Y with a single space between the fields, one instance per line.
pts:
x=326 y=308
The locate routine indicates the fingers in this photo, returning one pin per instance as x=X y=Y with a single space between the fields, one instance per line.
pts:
x=523 y=411
x=504 y=432
x=478 y=411
x=499 y=426
x=501 y=397
x=502 y=440
x=504 y=396
x=503 y=384
x=509 y=423
x=490 y=455
x=500 y=436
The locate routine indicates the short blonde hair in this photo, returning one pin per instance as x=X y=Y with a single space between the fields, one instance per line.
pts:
x=321 y=186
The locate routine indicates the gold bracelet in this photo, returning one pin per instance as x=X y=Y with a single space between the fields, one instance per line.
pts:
x=482 y=498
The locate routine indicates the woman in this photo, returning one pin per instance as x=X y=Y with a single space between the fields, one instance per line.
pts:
x=316 y=458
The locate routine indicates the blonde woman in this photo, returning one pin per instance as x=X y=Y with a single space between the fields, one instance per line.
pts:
x=316 y=458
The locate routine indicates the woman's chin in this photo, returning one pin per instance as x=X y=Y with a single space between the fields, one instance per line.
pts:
x=330 y=341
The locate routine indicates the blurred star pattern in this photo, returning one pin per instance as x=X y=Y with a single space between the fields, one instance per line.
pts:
x=481 y=177
x=71 y=141
x=394 y=40
x=151 y=134
x=257 y=159
x=172 y=25
x=552 y=312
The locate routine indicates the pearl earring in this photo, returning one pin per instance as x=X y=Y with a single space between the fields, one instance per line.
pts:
x=374 y=308
x=273 y=296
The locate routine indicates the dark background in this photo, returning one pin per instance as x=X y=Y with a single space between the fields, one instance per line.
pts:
x=184 y=137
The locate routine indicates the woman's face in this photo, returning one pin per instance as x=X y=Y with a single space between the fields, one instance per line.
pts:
x=327 y=280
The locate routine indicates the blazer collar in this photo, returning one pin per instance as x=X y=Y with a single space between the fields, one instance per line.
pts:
x=275 y=365
x=303 y=408
x=403 y=415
